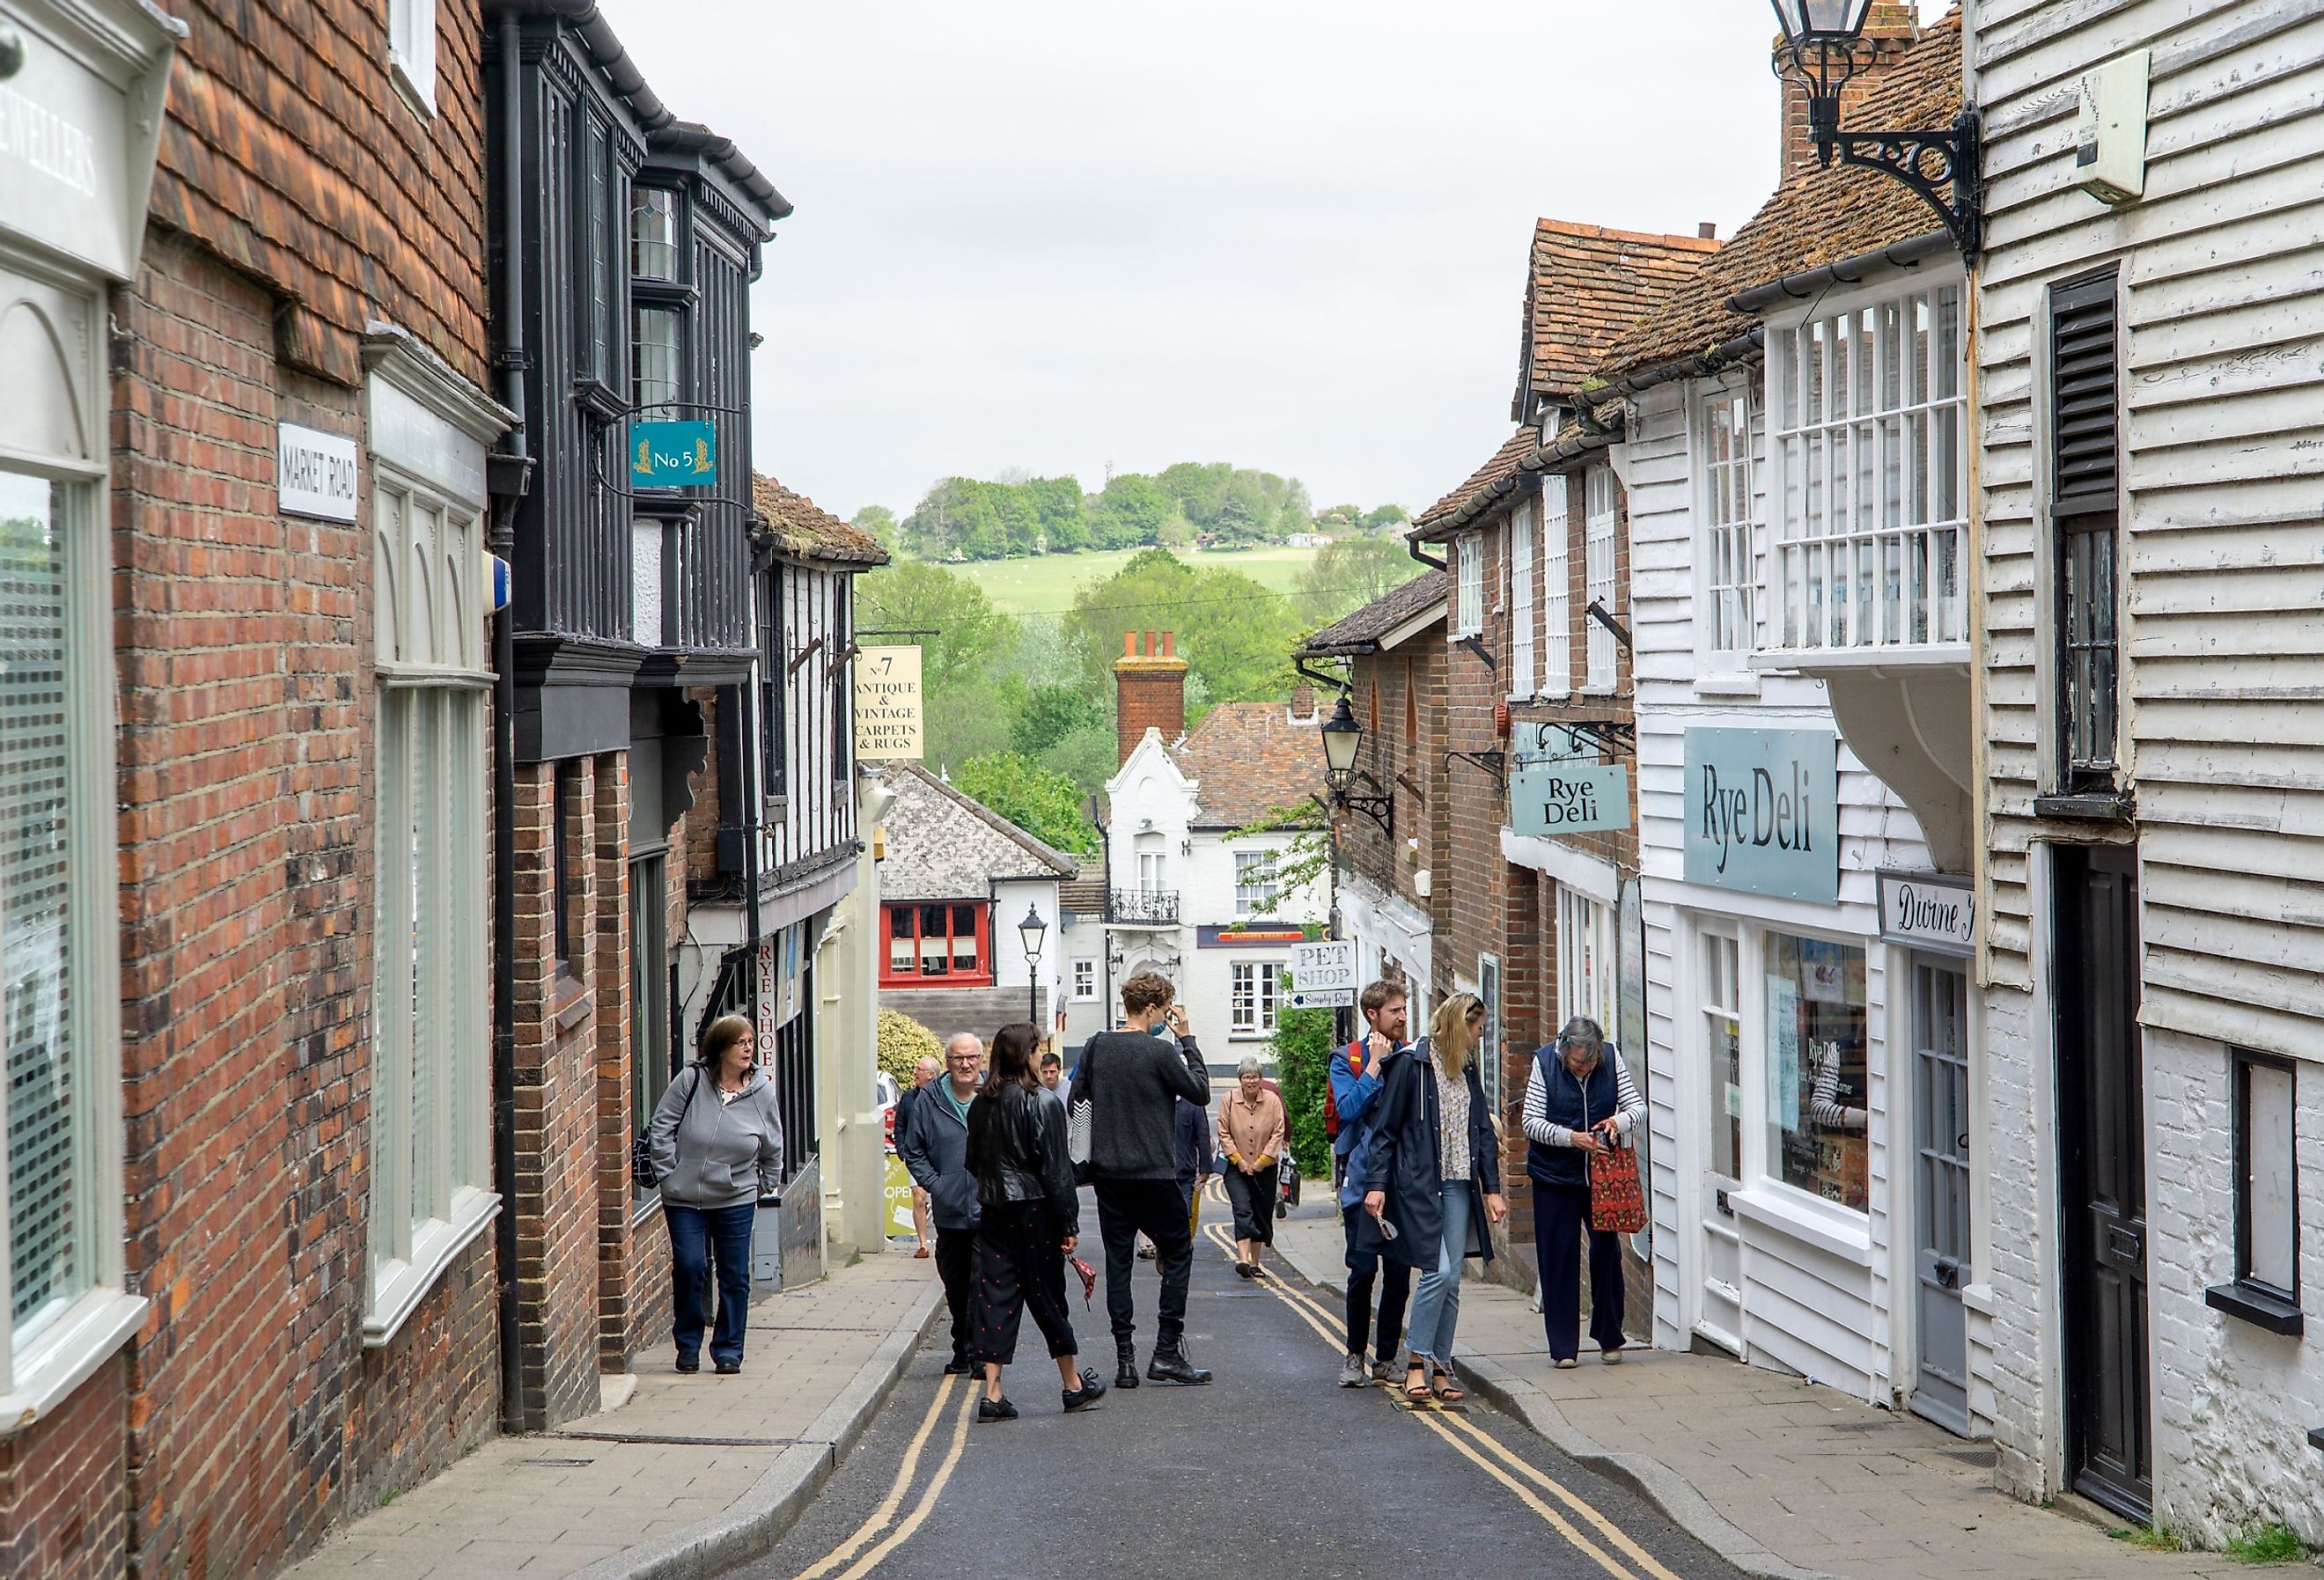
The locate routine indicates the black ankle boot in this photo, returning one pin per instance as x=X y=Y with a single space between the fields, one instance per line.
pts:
x=1125 y=1365
x=1170 y=1365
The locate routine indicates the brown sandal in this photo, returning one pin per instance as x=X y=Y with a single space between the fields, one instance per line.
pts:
x=1415 y=1380
x=1450 y=1391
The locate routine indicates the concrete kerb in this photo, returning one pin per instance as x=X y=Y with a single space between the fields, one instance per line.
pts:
x=1643 y=1474
x=752 y=1522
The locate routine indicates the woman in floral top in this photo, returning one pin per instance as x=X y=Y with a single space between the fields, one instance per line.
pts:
x=1433 y=1182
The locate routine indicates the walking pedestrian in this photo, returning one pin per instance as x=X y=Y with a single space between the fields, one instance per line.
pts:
x=1132 y=1080
x=925 y=1071
x=1578 y=1101
x=935 y=1150
x=1030 y=1222
x=716 y=1142
x=1052 y=1077
x=1355 y=1088
x=1194 y=1151
x=1434 y=1176
x=1251 y=1134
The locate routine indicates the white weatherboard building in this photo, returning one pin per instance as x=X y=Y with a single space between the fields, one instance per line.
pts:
x=2151 y=703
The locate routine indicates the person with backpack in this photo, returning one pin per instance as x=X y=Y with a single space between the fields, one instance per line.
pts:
x=1578 y=1105
x=1355 y=1083
x=716 y=1146
x=1130 y=1082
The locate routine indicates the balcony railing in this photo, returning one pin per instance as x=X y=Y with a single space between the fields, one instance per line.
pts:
x=1874 y=589
x=1143 y=907
x=690 y=583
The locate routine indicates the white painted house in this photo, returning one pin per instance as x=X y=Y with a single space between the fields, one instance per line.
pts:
x=2151 y=462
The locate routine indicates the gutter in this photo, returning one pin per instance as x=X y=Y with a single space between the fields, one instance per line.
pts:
x=1809 y=282
x=1568 y=446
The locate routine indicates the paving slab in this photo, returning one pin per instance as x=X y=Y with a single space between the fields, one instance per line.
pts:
x=1788 y=1479
x=688 y=1476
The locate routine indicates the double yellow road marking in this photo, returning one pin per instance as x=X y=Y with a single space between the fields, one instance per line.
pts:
x=877 y=1521
x=1471 y=1441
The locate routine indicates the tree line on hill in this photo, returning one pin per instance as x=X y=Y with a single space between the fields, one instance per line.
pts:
x=1215 y=504
x=1019 y=709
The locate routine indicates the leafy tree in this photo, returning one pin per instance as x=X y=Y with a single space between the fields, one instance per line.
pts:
x=903 y=1043
x=1235 y=635
x=1044 y=803
x=1086 y=755
x=1050 y=713
x=963 y=634
x=1386 y=517
x=1348 y=574
x=880 y=522
x=1130 y=513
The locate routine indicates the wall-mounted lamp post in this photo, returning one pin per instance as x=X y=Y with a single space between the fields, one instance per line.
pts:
x=1822 y=51
x=1343 y=737
x=1030 y=932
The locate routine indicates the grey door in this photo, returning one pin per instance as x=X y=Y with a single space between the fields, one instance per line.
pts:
x=2102 y=1178
x=1941 y=1261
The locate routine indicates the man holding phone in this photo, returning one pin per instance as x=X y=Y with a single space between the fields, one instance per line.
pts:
x=1133 y=1080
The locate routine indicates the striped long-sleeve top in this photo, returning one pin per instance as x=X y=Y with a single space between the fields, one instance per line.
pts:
x=1628 y=1105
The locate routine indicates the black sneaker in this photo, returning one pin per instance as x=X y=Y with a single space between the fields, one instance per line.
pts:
x=957 y=1367
x=689 y=1363
x=1170 y=1365
x=995 y=1409
x=1091 y=1390
x=1125 y=1366
x=729 y=1368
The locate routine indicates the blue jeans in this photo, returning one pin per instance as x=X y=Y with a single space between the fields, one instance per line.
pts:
x=1437 y=1304
x=698 y=1236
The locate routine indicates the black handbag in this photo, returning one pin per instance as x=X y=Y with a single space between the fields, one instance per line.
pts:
x=643 y=1173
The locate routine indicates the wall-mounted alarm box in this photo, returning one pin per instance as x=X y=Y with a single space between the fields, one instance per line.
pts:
x=2110 y=142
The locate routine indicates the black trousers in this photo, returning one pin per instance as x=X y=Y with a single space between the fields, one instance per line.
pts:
x=956 y=1266
x=1561 y=1214
x=1395 y=1281
x=1019 y=1266
x=1155 y=1208
x=1252 y=1196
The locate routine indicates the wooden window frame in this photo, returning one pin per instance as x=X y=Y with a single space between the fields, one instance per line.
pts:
x=2086 y=535
x=2266 y=1305
x=981 y=932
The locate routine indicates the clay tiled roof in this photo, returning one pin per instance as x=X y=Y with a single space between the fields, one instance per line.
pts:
x=807 y=529
x=1586 y=287
x=1815 y=218
x=1250 y=759
x=1507 y=462
x=1361 y=633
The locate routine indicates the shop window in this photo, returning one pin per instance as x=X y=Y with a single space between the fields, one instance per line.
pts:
x=1585 y=960
x=946 y=944
x=1817 y=1088
x=1722 y=1016
x=1084 y=982
x=1557 y=594
x=1257 y=986
x=1488 y=1051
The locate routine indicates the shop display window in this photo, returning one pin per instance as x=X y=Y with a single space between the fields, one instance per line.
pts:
x=1817 y=1086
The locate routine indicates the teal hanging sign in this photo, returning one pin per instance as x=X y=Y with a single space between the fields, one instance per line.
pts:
x=1563 y=788
x=673 y=455
x=1762 y=812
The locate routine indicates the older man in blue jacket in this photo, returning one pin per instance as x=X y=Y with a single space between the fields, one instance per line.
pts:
x=1355 y=1083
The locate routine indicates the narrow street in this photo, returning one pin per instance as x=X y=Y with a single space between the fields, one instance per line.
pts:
x=1271 y=1471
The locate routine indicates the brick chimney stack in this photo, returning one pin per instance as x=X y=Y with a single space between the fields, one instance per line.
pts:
x=1149 y=684
x=1891 y=28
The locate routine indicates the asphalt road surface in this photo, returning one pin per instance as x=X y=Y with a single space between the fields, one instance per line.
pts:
x=1271 y=1472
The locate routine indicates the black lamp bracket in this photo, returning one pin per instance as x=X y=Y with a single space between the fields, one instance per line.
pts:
x=1381 y=809
x=1945 y=168
x=1492 y=762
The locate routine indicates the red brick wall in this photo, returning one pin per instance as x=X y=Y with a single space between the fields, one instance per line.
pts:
x=64 y=1505
x=288 y=151
x=610 y=850
x=1150 y=691
x=1413 y=772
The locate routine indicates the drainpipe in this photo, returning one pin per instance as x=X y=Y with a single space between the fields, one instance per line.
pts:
x=1412 y=546
x=510 y=470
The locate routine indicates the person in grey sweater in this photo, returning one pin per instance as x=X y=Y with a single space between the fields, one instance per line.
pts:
x=1133 y=1080
x=716 y=1142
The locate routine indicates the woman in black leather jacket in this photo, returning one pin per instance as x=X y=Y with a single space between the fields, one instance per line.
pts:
x=1030 y=1222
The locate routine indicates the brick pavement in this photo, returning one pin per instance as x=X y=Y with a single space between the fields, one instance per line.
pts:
x=1783 y=1477
x=686 y=1477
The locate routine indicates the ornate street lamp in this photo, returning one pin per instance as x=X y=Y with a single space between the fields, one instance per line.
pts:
x=1342 y=738
x=1823 y=51
x=1030 y=932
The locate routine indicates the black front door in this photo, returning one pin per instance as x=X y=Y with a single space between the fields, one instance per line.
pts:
x=2102 y=1177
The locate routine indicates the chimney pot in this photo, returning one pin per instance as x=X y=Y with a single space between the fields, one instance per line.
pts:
x=1151 y=651
x=1168 y=651
x=1707 y=231
x=1130 y=644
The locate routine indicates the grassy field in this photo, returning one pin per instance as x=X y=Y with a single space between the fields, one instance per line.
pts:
x=1046 y=585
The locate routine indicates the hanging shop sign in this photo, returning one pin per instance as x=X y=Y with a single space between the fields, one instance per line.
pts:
x=1324 y=974
x=1763 y=812
x=1929 y=912
x=1565 y=788
x=314 y=473
x=1210 y=936
x=673 y=455
x=888 y=703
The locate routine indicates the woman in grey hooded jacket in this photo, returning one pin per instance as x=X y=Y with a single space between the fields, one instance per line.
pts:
x=717 y=1147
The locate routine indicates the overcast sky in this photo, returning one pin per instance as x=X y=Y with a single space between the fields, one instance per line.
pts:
x=1285 y=234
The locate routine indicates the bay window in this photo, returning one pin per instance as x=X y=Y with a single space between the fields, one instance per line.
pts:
x=1871 y=501
x=936 y=944
x=655 y=370
x=1599 y=524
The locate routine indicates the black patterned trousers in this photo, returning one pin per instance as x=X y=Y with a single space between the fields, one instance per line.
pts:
x=1019 y=1266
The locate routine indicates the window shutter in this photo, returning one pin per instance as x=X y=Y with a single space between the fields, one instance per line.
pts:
x=2086 y=402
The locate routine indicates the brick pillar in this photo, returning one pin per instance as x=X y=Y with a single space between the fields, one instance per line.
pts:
x=609 y=850
x=1149 y=691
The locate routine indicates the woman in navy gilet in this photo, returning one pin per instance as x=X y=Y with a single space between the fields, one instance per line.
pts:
x=1578 y=1100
